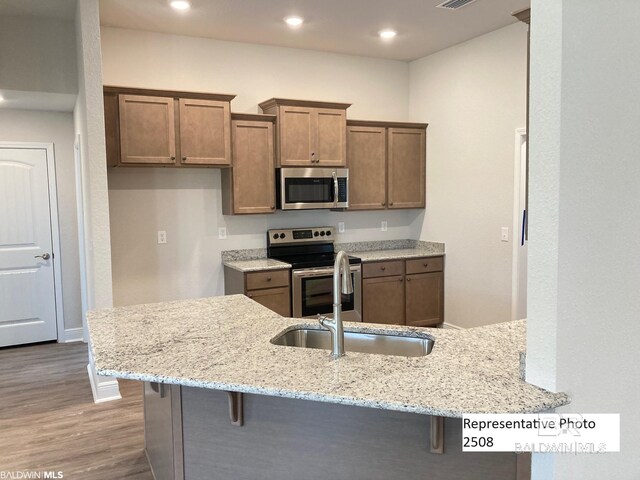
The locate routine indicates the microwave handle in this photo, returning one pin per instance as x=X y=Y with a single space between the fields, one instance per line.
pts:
x=336 y=191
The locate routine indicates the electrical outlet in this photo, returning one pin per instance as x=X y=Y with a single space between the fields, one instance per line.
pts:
x=222 y=233
x=504 y=236
x=383 y=226
x=162 y=237
x=340 y=227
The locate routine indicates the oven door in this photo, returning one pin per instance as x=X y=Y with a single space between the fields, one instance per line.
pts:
x=313 y=294
x=313 y=188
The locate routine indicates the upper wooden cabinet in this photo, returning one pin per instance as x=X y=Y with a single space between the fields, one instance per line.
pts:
x=147 y=130
x=166 y=128
x=249 y=186
x=367 y=162
x=387 y=164
x=406 y=168
x=309 y=133
x=205 y=132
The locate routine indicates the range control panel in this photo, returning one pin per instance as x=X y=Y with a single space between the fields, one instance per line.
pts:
x=300 y=235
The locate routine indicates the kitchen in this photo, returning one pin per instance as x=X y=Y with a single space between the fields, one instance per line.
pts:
x=167 y=225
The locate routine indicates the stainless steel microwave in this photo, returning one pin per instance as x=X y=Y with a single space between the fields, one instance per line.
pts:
x=312 y=188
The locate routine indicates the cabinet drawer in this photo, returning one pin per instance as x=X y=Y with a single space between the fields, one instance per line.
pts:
x=268 y=279
x=382 y=269
x=425 y=265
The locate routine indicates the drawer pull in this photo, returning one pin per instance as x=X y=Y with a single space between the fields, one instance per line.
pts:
x=383 y=268
x=402 y=279
x=268 y=279
x=408 y=279
x=425 y=265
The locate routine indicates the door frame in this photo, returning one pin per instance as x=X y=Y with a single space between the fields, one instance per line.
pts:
x=520 y=139
x=55 y=227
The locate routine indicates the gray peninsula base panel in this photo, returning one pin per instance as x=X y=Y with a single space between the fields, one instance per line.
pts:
x=285 y=438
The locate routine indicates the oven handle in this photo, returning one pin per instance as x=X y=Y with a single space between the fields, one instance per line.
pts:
x=320 y=272
x=336 y=191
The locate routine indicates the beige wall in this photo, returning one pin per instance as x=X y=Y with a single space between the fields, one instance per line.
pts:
x=57 y=128
x=37 y=54
x=186 y=203
x=474 y=97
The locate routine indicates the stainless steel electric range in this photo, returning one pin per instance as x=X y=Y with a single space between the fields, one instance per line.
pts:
x=310 y=251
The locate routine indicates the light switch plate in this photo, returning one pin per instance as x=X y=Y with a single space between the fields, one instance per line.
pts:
x=504 y=236
x=162 y=237
x=340 y=227
x=383 y=226
x=222 y=233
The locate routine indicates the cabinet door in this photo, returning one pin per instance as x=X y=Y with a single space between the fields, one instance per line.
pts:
x=407 y=164
x=296 y=136
x=276 y=299
x=253 y=174
x=205 y=133
x=425 y=299
x=147 y=130
x=367 y=162
x=330 y=137
x=383 y=300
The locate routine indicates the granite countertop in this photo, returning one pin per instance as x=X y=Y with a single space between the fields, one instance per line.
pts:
x=256 y=265
x=394 y=254
x=223 y=343
x=254 y=260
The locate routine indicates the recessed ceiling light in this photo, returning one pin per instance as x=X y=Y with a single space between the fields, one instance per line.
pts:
x=294 y=21
x=180 y=4
x=387 y=33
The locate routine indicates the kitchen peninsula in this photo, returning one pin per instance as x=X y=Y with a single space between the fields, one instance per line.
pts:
x=216 y=388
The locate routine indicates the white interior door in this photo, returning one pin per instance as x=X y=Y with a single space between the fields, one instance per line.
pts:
x=27 y=285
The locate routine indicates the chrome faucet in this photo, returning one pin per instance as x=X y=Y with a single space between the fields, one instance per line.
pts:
x=334 y=325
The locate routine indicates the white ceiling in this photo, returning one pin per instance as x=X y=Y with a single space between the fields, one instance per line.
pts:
x=61 y=9
x=343 y=26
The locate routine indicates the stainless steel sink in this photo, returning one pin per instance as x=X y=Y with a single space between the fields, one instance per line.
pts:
x=381 y=344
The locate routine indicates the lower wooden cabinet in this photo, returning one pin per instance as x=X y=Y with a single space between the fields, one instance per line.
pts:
x=383 y=300
x=276 y=299
x=424 y=295
x=271 y=288
x=390 y=296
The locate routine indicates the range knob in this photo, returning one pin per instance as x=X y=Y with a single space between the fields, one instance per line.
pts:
x=328 y=233
x=275 y=236
x=322 y=233
x=282 y=235
x=315 y=234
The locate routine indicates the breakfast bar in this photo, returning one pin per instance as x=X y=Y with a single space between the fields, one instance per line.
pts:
x=219 y=382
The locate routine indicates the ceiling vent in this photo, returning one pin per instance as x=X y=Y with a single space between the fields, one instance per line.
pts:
x=454 y=4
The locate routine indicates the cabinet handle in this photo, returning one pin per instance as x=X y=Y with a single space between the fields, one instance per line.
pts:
x=313 y=157
x=425 y=265
x=383 y=268
x=401 y=279
x=268 y=279
x=273 y=207
x=184 y=159
x=173 y=158
x=408 y=279
x=391 y=204
x=383 y=203
x=250 y=295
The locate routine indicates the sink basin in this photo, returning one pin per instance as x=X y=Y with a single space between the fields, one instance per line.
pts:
x=382 y=344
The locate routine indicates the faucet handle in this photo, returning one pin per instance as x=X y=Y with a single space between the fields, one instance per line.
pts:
x=322 y=319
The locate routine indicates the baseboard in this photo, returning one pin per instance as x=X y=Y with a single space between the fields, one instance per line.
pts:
x=104 y=389
x=73 y=335
x=450 y=325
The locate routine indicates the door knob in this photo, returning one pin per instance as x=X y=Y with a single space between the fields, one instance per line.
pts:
x=44 y=256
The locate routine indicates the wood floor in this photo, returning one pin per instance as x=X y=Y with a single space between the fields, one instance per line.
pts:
x=48 y=421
